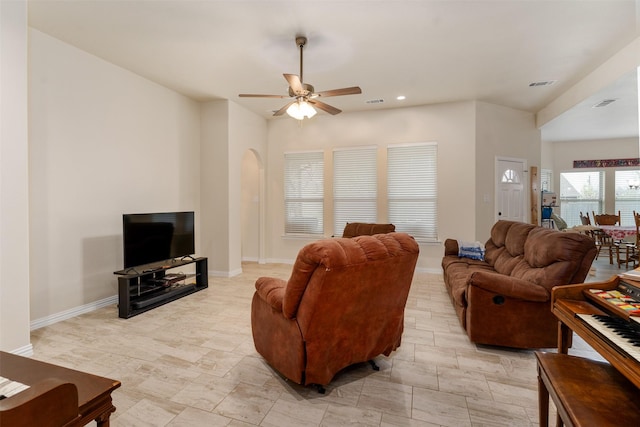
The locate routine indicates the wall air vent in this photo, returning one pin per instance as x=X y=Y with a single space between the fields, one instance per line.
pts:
x=374 y=101
x=604 y=103
x=543 y=83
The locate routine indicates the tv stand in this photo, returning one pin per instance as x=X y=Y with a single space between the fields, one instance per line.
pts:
x=148 y=286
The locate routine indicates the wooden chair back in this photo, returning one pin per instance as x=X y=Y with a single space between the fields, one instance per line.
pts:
x=607 y=219
x=584 y=219
x=636 y=219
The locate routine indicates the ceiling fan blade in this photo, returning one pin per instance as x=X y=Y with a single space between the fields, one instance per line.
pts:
x=325 y=107
x=284 y=109
x=338 y=92
x=294 y=83
x=257 y=95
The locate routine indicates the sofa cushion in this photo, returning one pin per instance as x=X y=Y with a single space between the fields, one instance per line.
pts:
x=516 y=238
x=458 y=270
x=557 y=263
x=506 y=248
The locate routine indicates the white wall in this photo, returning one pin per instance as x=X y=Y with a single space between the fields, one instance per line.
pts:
x=469 y=135
x=452 y=126
x=214 y=164
x=502 y=132
x=14 y=190
x=250 y=212
x=103 y=142
x=228 y=131
x=248 y=131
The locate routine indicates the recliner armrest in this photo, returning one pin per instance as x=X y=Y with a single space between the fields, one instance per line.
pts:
x=508 y=286
x=271 y=290
x=450 y=247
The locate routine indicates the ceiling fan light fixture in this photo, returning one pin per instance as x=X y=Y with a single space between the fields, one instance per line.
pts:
x=301 y=109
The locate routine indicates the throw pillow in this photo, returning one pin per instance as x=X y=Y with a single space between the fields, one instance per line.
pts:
x=473 y=250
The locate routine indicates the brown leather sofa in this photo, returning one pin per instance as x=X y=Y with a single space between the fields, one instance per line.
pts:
x=504 y=299
x=353 y=229
x=343 y=304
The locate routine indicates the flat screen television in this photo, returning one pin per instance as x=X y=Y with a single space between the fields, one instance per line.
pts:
x=154 y=237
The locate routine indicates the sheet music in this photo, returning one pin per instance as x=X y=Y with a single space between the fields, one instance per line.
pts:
x=8 y=388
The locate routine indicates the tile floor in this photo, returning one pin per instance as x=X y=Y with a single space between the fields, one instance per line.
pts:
x=192 y=363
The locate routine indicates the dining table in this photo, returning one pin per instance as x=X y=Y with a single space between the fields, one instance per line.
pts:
x=619 y=232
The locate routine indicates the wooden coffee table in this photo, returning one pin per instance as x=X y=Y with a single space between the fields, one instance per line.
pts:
x=94 y=392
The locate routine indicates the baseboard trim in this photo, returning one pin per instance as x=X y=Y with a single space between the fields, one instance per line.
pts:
x=227 y=274
x=73 y=312
x=27 y=351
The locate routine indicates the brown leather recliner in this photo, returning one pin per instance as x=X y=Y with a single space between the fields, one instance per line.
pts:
x=343 y=304
x=353 y=229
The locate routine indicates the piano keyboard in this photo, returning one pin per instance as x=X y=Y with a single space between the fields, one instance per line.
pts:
x=620 y=333
x=8 y=388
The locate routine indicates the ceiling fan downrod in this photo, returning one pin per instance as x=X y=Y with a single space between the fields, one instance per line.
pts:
x=301 y=41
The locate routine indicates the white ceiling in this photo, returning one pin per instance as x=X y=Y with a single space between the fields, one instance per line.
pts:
x=430 y=51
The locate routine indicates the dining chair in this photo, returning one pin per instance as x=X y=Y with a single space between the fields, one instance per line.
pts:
x=605 y=242
x=584 y=219
x=631 y=254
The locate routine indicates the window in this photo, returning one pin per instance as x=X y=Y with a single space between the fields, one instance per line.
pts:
x=546 y=180
x=580 y=192
x=304 y=192
x=354 y=186
x=627 y=195
x=412 y=189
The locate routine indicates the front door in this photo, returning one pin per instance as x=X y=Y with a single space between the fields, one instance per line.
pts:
x=510 y=197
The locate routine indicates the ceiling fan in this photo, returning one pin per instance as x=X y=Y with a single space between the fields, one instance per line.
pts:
x=304 y=95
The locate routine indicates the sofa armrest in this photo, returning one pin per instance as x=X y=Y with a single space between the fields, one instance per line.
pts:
x=451 y=247
x=271 y=291
x=508 y=286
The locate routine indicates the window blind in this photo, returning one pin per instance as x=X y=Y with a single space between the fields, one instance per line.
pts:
x=627 y=195
x=304 y=192
x=546 y=180
x=581 y=192
x=354 y=186
x=412 y=189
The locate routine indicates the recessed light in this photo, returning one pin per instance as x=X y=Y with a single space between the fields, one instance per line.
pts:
x=401 y=97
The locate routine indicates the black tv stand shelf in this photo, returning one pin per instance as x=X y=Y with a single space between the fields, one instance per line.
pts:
x=148 y=286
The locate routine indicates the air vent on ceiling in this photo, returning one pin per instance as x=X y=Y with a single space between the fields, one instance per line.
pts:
x=604 y=103
x=543 y=83
x=374 y=101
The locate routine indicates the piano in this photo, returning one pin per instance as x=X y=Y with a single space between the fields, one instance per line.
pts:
x=605 y=315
